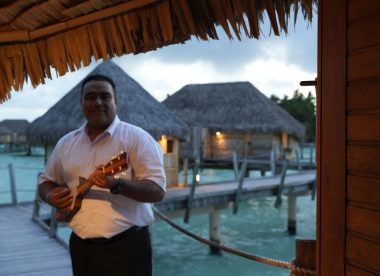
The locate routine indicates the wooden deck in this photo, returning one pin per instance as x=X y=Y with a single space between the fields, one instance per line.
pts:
x=26 y=248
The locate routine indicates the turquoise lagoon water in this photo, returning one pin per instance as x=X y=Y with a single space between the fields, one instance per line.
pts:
x=258 y=228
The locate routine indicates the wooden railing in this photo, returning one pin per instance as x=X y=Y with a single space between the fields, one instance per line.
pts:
x=12 y=183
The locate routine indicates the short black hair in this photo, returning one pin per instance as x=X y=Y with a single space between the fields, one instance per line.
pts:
x=98 y=77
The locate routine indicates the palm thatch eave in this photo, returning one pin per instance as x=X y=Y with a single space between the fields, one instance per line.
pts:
x=65 y=35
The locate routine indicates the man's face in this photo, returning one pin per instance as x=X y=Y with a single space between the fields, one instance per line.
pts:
x=98 y=103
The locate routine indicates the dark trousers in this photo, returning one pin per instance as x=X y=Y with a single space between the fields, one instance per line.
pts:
x=127 y=254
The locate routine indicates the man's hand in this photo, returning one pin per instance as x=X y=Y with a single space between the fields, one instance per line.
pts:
x=61 y=198
x=101 y=180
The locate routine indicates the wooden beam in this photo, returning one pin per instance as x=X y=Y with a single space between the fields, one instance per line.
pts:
x=331 y=232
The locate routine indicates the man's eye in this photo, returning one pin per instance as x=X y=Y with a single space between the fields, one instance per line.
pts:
x=90 y=98
x=106 y=97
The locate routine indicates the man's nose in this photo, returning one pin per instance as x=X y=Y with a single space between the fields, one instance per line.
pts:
x=98 y=101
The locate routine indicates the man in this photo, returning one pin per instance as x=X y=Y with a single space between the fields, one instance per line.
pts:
x=110 y=234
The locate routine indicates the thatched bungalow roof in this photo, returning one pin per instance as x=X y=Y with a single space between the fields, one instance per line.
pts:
x=4 y=130
x=134 y=104
x=15 y=126
x=235 y=106
x=36 y=36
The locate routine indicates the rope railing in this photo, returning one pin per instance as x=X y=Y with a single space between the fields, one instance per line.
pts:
x=265 y=260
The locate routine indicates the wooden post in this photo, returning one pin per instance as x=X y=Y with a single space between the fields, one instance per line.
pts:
x=184 y=171
x=311 y=157
x=281 y=185
x=192 y=191
x=305 y=256
x=273 y=161
x=235 y=165
x=13 y=183
x=37 y=201
x=53 y=224
x=313 y=190
x=29 y=150
x=46 y=147
x=292 y=214
x=240 y=186
x=214 y=225
x=299 y=166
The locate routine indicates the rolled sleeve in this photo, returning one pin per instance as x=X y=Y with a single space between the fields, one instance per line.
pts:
x=146 y=160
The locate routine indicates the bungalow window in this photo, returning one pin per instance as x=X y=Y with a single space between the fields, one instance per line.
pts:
x=170 y=146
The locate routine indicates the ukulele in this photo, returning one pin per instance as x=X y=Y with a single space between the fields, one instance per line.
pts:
x=113 y=167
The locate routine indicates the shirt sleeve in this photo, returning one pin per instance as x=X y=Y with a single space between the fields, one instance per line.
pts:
x=53 y=168
x=146 y=160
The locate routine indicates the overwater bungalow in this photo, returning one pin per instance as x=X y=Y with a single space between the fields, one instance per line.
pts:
x=5 y=135
x=234 y=117
x=13 y=134
x=347 y=85
x=134 y=104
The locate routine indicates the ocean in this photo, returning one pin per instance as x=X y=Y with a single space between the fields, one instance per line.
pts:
x=258 y=228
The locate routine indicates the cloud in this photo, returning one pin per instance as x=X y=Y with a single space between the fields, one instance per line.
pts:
x=161 y=78
x=272 y=72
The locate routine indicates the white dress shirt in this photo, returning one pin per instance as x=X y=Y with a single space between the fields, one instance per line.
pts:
x=103 y=214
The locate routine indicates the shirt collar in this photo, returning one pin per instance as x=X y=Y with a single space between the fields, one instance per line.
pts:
x=110 y=129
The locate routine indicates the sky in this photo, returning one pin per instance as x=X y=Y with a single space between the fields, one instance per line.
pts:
x=274 y=64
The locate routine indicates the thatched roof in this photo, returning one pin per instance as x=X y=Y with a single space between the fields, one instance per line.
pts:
x=134 y=105
x=4 y=130
x=36 y=36
x=15 y=126
x=235 y=106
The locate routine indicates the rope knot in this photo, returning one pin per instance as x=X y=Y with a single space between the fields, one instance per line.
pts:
x=299 y=271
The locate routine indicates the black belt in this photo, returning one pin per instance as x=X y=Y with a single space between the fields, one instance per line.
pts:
x=119 y=236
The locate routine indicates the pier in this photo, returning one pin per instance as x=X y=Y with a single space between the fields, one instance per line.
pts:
x=29 y=249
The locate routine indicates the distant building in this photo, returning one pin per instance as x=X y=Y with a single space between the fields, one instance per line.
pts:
x=233 y=117
x=134 y=105
x=13 y=134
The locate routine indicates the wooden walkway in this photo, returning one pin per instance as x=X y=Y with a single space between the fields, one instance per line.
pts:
x=26 y=248
x=220 y=193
